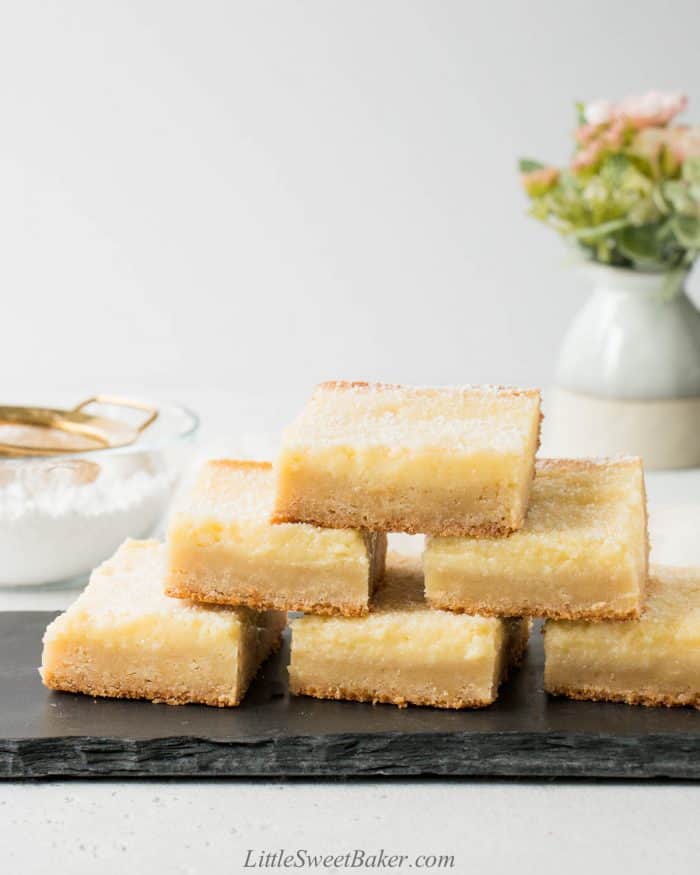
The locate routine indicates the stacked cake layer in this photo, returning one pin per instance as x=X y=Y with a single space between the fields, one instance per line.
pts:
x=404 y=652
x=224 y=549
x=398 y=459
x=125 y=638
x=508 y=538
x=651 y=661
x=581 y=553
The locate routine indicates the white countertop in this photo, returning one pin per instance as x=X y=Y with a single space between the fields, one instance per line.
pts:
x=208 y=826
x=488 y=826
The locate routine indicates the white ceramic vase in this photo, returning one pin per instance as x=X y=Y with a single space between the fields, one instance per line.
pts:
x=628 y=375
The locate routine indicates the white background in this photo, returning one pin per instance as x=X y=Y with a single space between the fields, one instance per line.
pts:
x=230 y=201
x=255 y=196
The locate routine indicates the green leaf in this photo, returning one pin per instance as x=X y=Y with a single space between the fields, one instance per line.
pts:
x=659 y=200
x=615 y=166
x=665 y=232
x=691 y=170
x=640 y=244
x=580 y=112
x=678 y=195
x=687 y=231
x=527 y=165
x=643 y=212
x=596 y=232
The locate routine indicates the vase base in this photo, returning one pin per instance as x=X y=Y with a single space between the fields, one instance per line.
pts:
x=665 y=433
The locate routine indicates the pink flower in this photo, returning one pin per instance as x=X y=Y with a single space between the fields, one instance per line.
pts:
x=683 y=143
x=649 y=144
x=537 y=182
x=667 y=148
x=614 y=137
x=654 y=108
x=585 y=133
x=588 y=156
x=598 y=112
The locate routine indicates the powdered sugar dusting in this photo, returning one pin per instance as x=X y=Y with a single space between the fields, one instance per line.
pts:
x=492 y=419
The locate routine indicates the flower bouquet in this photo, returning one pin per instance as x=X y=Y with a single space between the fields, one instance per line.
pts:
x=627 y=378
x=630 y=196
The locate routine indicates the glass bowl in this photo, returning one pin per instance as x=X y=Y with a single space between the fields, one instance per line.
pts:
x=62 y=515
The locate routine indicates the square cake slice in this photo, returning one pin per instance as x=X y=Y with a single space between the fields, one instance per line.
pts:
x=124 y=638
x=581 y=553
x=651 y=661
x=403 y=652
x=450 y=461
x=224 y=549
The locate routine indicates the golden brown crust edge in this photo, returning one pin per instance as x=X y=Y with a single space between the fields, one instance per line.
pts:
x=119 y=691
x=366 y=695
x=396 y=524
x=565 y=612
x=262 y=602
x=630 y=697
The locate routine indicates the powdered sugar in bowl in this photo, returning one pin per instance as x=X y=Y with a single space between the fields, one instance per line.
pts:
x=63 y=513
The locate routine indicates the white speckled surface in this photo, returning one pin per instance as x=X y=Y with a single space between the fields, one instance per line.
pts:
x=495 y=827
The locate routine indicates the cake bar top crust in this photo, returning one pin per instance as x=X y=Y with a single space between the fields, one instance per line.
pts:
x=473 y=419
x=235 y=499
x=573 y=502
x=126 y=592
x=232 y=489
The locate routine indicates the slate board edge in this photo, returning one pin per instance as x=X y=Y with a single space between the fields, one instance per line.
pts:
x=564 y=755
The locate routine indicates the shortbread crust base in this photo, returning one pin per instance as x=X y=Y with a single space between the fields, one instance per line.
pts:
x=649 y=698
x=333 y=516
x=192 y=588
x=353 y=694
x=563 y=611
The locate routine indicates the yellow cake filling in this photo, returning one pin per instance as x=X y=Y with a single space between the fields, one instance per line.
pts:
x=583 y=543
x=671 y=621
x=403 y=651
x=652 y=661
x=409 y=637
x=231 y=506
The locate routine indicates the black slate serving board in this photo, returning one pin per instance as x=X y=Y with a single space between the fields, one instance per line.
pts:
x=526 y=733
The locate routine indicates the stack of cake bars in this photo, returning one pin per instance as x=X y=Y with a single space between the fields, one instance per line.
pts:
x=508 y=538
